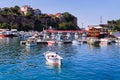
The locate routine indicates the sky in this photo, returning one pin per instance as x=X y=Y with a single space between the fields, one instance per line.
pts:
x=88 y=12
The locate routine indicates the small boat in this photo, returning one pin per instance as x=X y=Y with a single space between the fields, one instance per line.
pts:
x=31 y=42
x=52 y=58
x=2 y=34
x=105 y=41
x=76 y=42
x=51 y=43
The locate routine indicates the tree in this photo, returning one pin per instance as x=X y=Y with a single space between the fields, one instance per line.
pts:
x=68 y=17
x=38 y=26
x=67 y=26
x=5 y=26
x=44 y=16
x=27 y=27
x=29 y=15
x=54 y=25
x=114 y=24
x=15 y=10
x=14 y=26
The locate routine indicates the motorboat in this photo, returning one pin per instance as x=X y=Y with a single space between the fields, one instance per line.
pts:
x=52 y=58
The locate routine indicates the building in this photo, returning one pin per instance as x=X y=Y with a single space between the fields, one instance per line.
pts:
x=25 y=9
x=37 y=12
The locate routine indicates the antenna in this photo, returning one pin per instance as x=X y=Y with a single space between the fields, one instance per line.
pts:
x=100 y=19
x=82 y=25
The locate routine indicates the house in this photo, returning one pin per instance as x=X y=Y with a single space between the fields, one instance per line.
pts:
x=37 y=12
x=25 y=9
x=58 y=15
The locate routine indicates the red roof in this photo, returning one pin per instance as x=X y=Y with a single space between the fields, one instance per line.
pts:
x=51 y=15
x=62 y=31
x=58 y=14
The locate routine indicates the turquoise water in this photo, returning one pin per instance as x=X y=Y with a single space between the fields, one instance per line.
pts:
x=81 y=62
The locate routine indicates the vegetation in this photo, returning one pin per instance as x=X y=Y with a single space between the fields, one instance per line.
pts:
x=29 y=15
x=67 y=26
x=68 y=17
x=43 y=16
x=4 y=25
x=38 y=26
x=13 y=18
x=114 y=25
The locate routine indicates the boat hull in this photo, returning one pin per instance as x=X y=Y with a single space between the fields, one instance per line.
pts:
x=53 y=59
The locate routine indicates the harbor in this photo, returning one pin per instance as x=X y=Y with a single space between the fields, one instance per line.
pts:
x=22 y=62
x=70 y=40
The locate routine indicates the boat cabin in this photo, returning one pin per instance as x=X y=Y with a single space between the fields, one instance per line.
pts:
x=97 y=32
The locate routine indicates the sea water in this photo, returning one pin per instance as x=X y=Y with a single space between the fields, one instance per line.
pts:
x=80 y=62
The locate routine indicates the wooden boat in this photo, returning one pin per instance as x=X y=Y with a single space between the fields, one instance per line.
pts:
x=97 y=32
x=93 y=32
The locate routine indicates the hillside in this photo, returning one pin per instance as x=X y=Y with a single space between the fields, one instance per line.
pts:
x=15 y=18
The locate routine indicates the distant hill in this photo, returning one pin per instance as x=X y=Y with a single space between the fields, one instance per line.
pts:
x=27 y=18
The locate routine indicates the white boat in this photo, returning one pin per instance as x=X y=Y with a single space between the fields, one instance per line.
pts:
x=105 y=41
x=60 y=42
x=117 y=40
x=53 y=58
x=76 y=42
x=31 y=41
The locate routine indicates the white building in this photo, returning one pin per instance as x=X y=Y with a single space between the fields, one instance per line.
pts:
x=26 y=9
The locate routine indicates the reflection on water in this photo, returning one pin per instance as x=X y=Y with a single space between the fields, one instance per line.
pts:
x=4 y=40
x=7 y=40
x=81 y=62
x=56 y=67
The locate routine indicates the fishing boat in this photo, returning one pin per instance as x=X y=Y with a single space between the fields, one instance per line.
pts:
x=53 y=58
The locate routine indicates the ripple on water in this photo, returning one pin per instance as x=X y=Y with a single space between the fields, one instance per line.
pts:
x=81 y=62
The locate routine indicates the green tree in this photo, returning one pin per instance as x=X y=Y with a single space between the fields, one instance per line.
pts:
x=15 y=10
x=67 y=26
x=27 y=27
x=38 y=26
x=68 y=17
x=54 y=25
x=29 y=15
x=43 y=16
x=14 y=26
x=4 y=26
x=114 y=24
x=6 y=11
